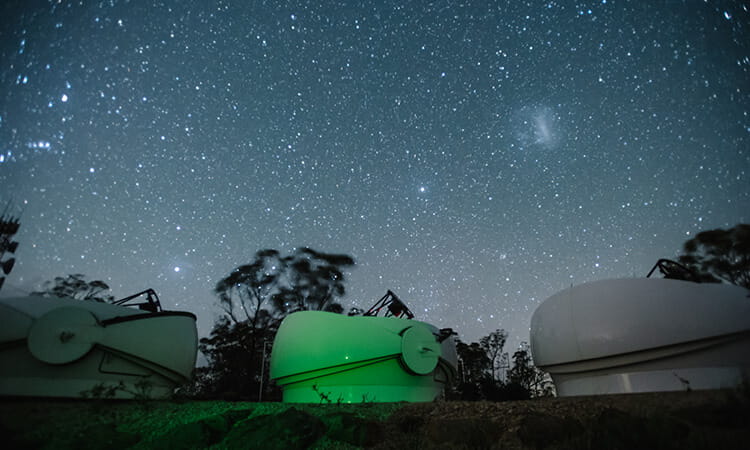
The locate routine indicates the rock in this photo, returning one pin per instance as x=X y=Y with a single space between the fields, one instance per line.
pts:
x=615 y=429
x=408 y=423
x=347 y=427
x=461 y=433
x=202 y=433
x=538 y=430
x=292 y=429
x=105 y=436
x=235 y=415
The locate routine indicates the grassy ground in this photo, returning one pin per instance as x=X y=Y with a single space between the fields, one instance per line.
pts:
x=711 y=419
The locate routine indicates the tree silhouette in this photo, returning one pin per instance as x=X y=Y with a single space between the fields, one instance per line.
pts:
x=234 y=348
x=474 y=367
x=9 y=225
x=244 y=292
x=235 y=353
x=493 y=345
x=477 y=372
x=74 y=286
x=314 y=281
x=720 y=255
x=475 y=364
x=524 y=374
x=254 y=298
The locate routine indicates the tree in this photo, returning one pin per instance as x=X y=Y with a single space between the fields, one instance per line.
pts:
x=474 y=369
x=477 y=372
x=74 y=286
x=235 y=353
x=244 y=292
x=234 y=349
x=314 y=280
x=493 y=346
x=527 y=376
x=9 y=225
x=254 y=298
x=720 y=255
x=475 y=364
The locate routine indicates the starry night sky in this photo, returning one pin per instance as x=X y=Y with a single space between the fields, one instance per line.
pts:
x=475 y=157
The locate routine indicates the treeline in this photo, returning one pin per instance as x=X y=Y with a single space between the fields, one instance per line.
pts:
x=485 y=372
x=255 y=297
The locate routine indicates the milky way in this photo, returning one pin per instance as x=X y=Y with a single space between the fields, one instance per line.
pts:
x=474 y=157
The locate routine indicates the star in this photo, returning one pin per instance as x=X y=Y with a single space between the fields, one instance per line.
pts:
x=475 y=161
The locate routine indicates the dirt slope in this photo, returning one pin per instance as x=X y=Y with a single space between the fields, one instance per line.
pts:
x=710 y=420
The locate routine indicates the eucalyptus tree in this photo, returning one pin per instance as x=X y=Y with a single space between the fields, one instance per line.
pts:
x=493 y=345
x=235 y=348
x=245 y=294
x=720 y=255
x=254 y=298
x=75 y=286
x=313 y=281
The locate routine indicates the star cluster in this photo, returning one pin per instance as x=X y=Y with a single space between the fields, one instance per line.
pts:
x=475 y=157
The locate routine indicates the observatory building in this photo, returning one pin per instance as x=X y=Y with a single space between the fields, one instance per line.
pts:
x=643 y=335
x=321 y=357
x=62 y=347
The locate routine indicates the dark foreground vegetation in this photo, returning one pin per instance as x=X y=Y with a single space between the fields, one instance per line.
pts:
x=679 y=420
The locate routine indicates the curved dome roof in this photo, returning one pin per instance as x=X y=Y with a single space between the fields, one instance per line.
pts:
x=613 y=317
x=311 y=340
x=63 y=330
x=18 y=313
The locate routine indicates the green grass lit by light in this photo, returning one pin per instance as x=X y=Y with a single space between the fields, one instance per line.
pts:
x=62 y=424
x=698 y=419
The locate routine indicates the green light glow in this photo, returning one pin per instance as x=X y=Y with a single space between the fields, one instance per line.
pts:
x=321 y=357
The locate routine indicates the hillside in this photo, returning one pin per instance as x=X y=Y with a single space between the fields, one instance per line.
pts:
x=684 y=420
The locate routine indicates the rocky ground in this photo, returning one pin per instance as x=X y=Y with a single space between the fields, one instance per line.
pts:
x=683 y=420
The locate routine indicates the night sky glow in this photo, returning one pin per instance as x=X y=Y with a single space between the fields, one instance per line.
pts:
x=475 y=157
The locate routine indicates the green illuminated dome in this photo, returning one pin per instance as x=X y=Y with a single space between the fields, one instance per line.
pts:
x=325 y=357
